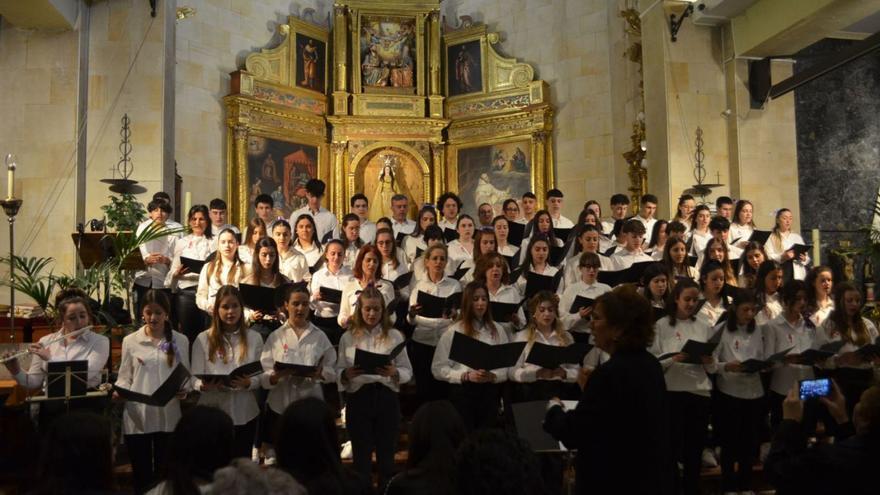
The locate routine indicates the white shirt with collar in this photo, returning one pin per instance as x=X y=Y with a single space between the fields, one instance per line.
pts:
x=312 y=254
x=310 y=348
x=193 y=247
x=683 y=377
x=246 y=254
x=444 y=224
x=828 y=333
x=740 y=346
x=294 y=266
x=87 y=346
x=411 y=246
x=372 y=341
x=143 y=368
x=572 y=270
x=445 y=369
x=350 y=256
x=573 y=321
x=772 y=308
x=789 y=239
x=561 y=222
x=428 y=330
x=241 y=404
x=325 y=220
x=779 y=335
x=511 y=295
x=739 y=233
x=821 y=314
x=367 y=231
x=699 y=241
x=406 y=227
x=710 y=313
x=325 y=278
x=458 y=252
x=154 y=275
x=208 y=286
x=350 y=292
x=524 y=372
x=623 y=259
x=390 y=273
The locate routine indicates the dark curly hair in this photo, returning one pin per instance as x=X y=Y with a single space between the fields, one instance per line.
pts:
x=630 y=312
x=494 y=461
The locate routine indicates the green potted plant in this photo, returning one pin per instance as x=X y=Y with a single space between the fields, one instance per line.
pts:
x=124 y=213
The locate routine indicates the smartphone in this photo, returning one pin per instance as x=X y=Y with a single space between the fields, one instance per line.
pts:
x=813 y=389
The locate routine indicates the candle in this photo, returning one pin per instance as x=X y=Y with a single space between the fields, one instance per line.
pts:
x=187 y=202
x=10 y=176
x=817 y=248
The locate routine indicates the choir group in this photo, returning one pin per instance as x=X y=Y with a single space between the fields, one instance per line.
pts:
x=349 y=311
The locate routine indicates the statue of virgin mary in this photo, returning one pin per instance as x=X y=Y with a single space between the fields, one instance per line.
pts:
x=387 y=186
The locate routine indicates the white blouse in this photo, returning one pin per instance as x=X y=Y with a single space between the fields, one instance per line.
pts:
x=143 y=368
x=458 y=252
x=779 y=335
x=772 y=308
x=428 y=330
x=739 y=233
x=207 y=289
x=740 y=346
x=683 y=377
x=828 y=333
x=240 y=405
x=447 y=370
x=372 y=341
x=312 y=254
x=325 y=278
x=294 y=266
x=310 y=348
x=193 y=247
x=411 y=245
x=245 y=254
x=573 y=321
x=350 y=292
x=87 y=346
x=789 y=239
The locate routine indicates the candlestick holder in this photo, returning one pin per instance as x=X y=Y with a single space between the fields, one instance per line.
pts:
x=11 y=207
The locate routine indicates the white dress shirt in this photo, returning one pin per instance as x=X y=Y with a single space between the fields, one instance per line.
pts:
x=649 y=227
x=828 y=333
x=372 y=341
x=623 y=259
x=310 y=348
x=772 y=308
x=739 y=233
x=350 y=292
x=154 y=275
x=246 y=254
x=312 y=254
x=821 y=314
x=406 y=227
x=294 y=265
x=573 y=321
x=561 y=222
x=208 y=287
x=524 y=372
x=572 y=270
x=87 y=346
x=710 y=313
x=143 y=368
x=411 y=245
x=444 y=224
x=241 y=404
x=192 y=247
x=447 y=370
x=779 y=335
x=699 y=241
x=325 y=278
x=458 y=252
x=740 y=346
x=683 y=377
x=325 y=220
x=789 y=239
x=428 y=330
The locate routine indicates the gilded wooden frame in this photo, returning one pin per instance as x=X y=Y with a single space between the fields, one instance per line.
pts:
x=449 y=65
x=300 y=27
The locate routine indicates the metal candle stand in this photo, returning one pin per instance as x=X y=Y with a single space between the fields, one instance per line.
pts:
x=11 y=207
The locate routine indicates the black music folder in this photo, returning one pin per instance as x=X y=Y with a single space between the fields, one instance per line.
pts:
x=503 y=312
x=757 y=365
x=516 y=232
x=330 y=295
x=512 y=262
x=760 y=236
x=631 y=275
x=562 y=234
x=246 y=370
x=449 y=235
x=695 y=350
x=556 y=255
x=402 y=280
x=163 y=394
x=581 y=302
x=436 y=307
x=482 y=356
x=813 y=356
x=535 y=282
x=296 y=369
x=400 y=237
x=552 y=356
x=800 y=249
x=528 y=418
x=370 y=362
x=194 y=266
x=56 y=378
x=258 y=298
x=460 y=271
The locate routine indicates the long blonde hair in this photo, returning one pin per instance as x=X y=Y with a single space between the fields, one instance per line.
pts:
x=216 y=341
x=532 y=329
x=359 y=327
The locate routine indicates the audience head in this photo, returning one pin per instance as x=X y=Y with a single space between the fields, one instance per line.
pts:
x=435 y=433
x=243 y=477
x=866 y=416
x=77 y=455
x=622 y=321
x=201 y=444
x=306 y=444
x=494 y=461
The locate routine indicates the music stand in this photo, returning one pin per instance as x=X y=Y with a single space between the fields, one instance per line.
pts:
x=528 y=419
x=67 y=380
x=96 y=247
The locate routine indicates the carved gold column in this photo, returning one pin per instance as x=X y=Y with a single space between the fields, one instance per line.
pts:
x=237 y=187
x=340 y=60
x=438 y=154
x=339 y=200
x=435 y=98
x=539 y=139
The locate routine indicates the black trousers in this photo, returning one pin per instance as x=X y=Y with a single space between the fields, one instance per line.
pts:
x=689 y=416
x=477 y=403
x=372 y=418
x=813 y=412
x=191 y=320
x=147 y=452
x=739 y=421
x=427 y=387
x=244 y=438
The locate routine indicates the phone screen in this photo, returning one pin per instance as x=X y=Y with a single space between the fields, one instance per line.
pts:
x=815 y=388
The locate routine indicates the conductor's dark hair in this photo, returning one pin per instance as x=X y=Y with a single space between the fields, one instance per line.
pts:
x=495 y=461
x=307 y=446
x=77 y=455
x=265 y=199
x=201 y=444
x=631 y=313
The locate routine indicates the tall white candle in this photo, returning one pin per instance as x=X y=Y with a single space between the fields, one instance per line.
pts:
x=817 y=248
x=10 y=186
x=187 y=203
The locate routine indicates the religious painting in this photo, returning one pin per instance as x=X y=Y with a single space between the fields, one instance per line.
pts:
x=281 y=170
x=388 y=54
x=493 y=173
x=311 y=63
x=465 y=68
x=388 y=171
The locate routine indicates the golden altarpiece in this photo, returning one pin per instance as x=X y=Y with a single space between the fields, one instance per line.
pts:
x=387 y=101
